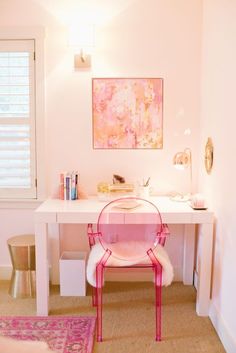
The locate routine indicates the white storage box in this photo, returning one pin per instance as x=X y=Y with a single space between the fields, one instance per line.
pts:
x=73 y=273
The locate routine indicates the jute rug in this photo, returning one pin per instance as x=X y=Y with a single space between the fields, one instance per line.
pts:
x=63 y=334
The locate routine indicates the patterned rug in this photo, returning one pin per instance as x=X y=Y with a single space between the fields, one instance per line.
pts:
x=63 y=334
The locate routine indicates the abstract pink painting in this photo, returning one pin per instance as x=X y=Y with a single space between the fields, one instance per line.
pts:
x=127 y=113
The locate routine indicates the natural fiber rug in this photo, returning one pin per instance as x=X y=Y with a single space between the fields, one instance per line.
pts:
x=63 y=334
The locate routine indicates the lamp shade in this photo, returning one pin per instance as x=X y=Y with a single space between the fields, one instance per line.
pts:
x=81 y=36
x=182 y=160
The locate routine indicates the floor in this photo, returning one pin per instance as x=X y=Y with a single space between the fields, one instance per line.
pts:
x=129 y=322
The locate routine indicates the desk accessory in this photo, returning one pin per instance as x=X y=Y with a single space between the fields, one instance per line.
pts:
x=108 y=191
x=144 y=189
x=118 y=179
x=198 y=208
x=198 y=202
x=181 y=161
x=103 y=191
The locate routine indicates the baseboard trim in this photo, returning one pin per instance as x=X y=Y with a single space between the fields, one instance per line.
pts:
x=195 y=279
x=222 y=330
x=117 y=275
x=5 y=273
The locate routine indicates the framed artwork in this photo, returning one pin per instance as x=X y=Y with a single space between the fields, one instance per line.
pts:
x=127 y=113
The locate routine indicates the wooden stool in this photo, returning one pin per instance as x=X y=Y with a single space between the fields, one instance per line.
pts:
x=22 y=252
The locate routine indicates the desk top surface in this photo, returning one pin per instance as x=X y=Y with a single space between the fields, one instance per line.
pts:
x=87 y=211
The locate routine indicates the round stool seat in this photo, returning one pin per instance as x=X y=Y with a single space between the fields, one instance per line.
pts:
x=22 y=240
x=22 y=252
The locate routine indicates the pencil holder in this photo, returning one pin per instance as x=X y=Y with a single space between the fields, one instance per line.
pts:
x=144 y=192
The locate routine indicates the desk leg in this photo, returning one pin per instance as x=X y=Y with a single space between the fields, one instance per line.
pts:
x=188 y=256
x=205 y=245
x=42 y=272
x=54 y=246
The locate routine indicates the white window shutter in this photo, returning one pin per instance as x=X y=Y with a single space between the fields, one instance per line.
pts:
x=17 y=120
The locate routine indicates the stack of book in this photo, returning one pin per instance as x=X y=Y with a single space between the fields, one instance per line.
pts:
x=121 y=188
x=69 y=182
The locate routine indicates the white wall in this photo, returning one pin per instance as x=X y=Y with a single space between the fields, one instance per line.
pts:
x=134 y=39
x=218 y=121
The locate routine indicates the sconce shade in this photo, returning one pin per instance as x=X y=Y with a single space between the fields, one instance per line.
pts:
x=81 y=38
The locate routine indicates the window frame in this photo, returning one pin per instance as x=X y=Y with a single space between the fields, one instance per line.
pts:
x=37 y=34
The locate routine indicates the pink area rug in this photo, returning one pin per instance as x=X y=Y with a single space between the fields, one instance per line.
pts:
x=63 y=334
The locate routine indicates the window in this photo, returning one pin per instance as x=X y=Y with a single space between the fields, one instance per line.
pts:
x=17 y=120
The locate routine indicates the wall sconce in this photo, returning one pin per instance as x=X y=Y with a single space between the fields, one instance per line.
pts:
x=183 y=160
x=209 y=155
x=81 y=38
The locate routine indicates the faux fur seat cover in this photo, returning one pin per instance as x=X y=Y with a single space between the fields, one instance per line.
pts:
x=119 y=250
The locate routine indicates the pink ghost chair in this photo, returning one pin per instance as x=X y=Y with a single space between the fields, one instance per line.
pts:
x=129 y=232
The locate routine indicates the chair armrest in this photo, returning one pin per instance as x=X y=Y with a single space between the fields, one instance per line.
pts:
x=91 y=235
x=163 y=234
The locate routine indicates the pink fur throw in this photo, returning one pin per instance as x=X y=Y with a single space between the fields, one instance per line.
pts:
x=9 y=345
x=120 y=251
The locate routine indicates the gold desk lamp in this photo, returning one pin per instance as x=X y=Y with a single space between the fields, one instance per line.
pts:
x=183 y=160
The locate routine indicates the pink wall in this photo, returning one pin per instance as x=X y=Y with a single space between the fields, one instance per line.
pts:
x=162 y=39
x=137 y=42
x=218 y=121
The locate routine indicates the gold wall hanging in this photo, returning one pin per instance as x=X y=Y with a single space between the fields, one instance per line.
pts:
x=209 y=155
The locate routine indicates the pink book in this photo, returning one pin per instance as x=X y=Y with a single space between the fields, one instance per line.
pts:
x=61 y=187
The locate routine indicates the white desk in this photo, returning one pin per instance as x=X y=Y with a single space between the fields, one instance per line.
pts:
x=86 y=211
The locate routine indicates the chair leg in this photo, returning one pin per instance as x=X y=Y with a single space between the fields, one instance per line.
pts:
x=158 y=289
x=99 y=314
x=94 y=296
x=99 y=284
